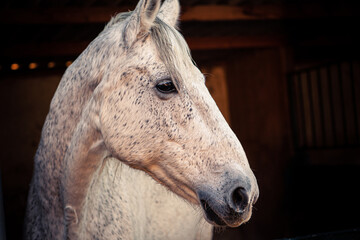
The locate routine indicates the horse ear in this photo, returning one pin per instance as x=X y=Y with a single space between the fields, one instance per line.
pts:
x=141 y=20
x=169 y=12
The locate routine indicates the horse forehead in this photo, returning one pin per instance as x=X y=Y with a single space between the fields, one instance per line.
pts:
x=191 y=76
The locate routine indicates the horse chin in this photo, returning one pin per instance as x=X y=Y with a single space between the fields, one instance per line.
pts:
x=212 y=217
x=220 y=220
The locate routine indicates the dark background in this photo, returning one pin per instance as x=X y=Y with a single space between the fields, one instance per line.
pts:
x=286 y=75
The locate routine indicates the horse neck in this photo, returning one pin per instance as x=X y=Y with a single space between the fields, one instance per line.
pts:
x=130 y=203
x=85 y=155
x=67 y=106
x=115 y=199
x=73 y=93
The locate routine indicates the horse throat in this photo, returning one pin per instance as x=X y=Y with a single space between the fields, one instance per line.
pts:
x=127 y=203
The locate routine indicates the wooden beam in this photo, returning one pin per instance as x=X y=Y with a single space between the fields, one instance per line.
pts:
x=268 y=12
x=194 y=13
x=58 y=15
x=59 y=49
x=210 y=43
x=55 y=49
x=195 y=43
x=231 y=13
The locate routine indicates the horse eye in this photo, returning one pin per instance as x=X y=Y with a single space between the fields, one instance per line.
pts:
x=166 y=86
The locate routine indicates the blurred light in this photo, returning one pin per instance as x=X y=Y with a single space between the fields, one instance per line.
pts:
x=51 y=65
x=33 y=65
x=68 y=63
x=14 y=66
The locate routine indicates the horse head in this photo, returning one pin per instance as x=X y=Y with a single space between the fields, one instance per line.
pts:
x=156 y=115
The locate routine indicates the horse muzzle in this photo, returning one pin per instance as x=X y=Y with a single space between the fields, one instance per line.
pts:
x=230 y=204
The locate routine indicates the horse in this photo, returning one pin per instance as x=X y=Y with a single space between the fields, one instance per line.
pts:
x=134 y=146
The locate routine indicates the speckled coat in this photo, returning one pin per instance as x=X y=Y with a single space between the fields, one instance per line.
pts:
x=121 y=159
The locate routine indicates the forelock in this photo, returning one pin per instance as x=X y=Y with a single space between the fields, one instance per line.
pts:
x=172 y=48
x=171 y=45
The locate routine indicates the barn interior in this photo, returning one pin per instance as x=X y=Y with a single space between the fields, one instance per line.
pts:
x=285 y=74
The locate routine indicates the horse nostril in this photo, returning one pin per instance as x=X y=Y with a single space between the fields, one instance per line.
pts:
x=239 y=199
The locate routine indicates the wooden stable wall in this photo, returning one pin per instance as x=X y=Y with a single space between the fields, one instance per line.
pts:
x=259 y=117
x=258 y=100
